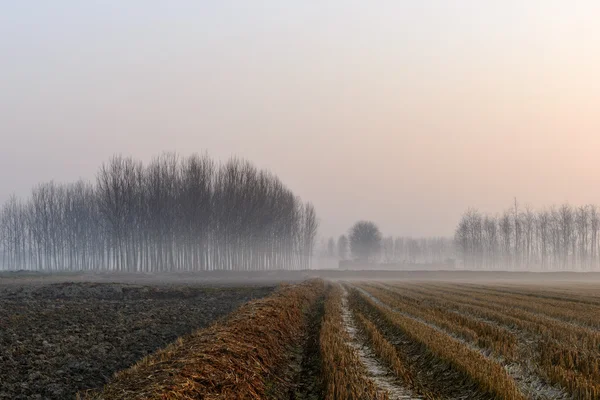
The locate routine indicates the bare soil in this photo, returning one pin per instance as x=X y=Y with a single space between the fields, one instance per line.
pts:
x=61 y=338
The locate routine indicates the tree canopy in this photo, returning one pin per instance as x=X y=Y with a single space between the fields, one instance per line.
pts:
x=365 y=240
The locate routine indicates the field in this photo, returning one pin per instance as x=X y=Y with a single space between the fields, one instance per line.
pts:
x=319 y=339
x=486 y=341
x=57 y=339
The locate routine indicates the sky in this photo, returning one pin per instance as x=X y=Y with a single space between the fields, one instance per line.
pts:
x=401 y=112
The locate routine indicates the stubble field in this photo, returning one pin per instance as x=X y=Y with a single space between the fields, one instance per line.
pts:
x=344 y=340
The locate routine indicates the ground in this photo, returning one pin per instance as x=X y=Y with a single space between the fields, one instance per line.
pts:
x=59 y=338
x=423 y=335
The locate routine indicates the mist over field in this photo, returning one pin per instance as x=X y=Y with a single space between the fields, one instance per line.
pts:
x=402 y=113
x=274 y=200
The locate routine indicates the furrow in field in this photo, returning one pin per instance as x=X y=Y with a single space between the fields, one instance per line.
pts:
x=523 y=373
x=560 y=330
x=487 y=336
x=525 y=376
x=454 y=367
x=247 y=355
x=375 y=369
x=585 y=315
x=344 y=375
x=566 y=354
x=565 y=293
x=584 y=340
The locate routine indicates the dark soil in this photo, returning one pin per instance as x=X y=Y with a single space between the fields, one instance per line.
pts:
x=58 y=339
x=309 y=382
x=299 y=378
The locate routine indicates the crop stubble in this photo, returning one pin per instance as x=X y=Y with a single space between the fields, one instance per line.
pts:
x=434 y=340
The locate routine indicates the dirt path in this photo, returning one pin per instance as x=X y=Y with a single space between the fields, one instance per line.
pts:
x=378 y=373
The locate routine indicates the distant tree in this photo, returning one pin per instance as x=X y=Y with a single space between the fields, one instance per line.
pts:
x=528 y=219
x=311 y=225
x=543 y=230
x=490 y=240
x=506 y=233
x=556 y=238
x=342 y=247
x=388 y=249
x=331 y=247
x=518 y=230
x=594 y=228
x=365 y=240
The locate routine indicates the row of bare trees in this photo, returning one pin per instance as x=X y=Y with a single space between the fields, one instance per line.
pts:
x=409 y=250
x=558 y=238
x=399 y=250
x=173 y=214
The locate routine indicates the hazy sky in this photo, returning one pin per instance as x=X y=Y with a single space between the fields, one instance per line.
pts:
x=403 y=112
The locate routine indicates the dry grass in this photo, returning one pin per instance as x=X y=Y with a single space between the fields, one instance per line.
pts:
x=563 y=309
x=490 y=376
x=343 y=373
x=562 y=369
x=429 y=335
x=238 y=358
x=488 y=308
x=390 y=356
x=567 y=354
x=483 y=334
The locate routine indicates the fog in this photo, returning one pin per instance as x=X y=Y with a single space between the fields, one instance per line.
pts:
x=341 y=199
x=403 y=113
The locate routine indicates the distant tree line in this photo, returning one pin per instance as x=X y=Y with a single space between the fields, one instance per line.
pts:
x=557 y=238
x=409 y=250
x=173 y=214
x=365 y=241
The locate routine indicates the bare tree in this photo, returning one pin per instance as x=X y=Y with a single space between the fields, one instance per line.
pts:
x=172 y=214
x=388 y=249
x=342 y=247
x=558 y=238
x=331 y=248
x=311 y=225
x=594 y=227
